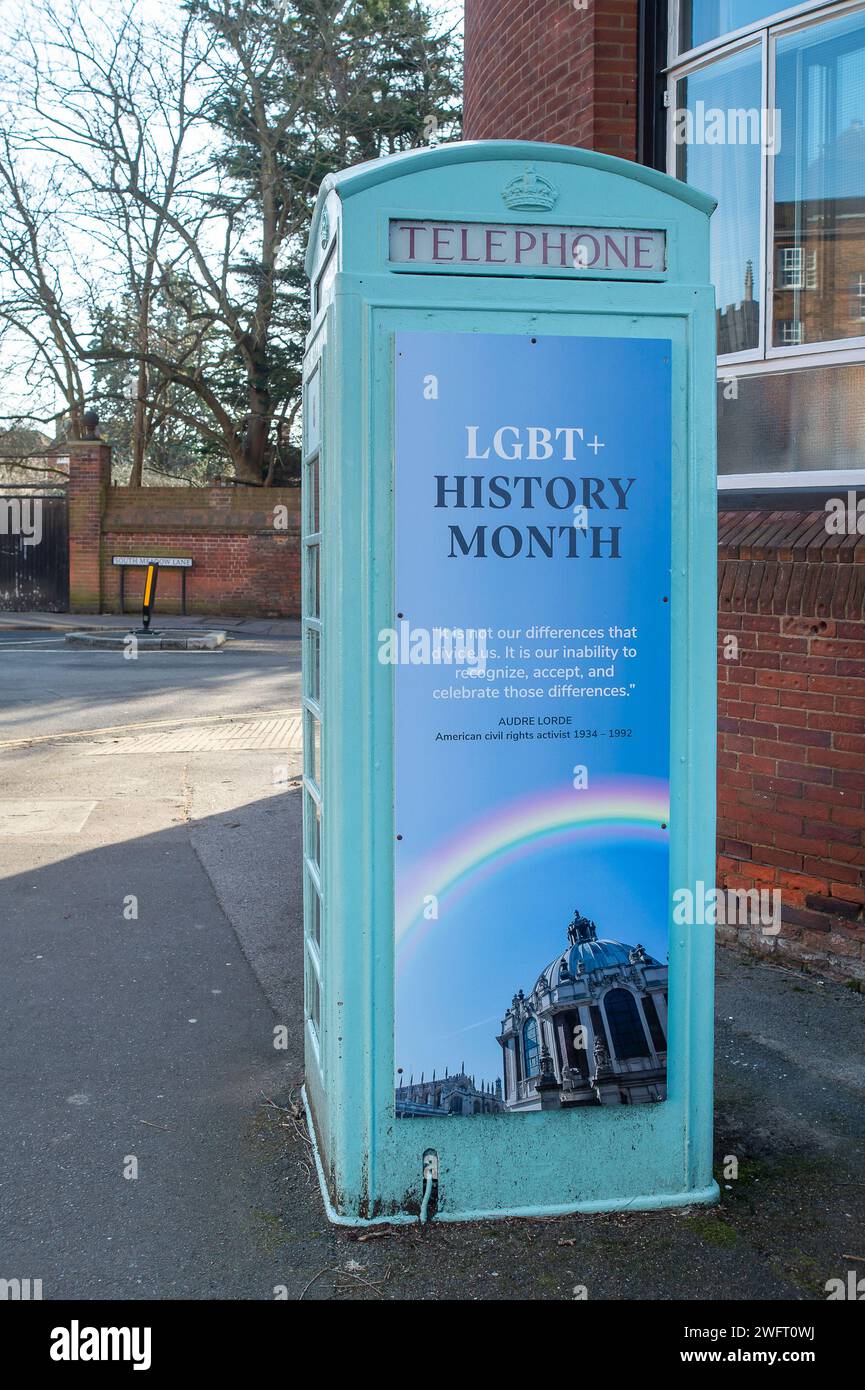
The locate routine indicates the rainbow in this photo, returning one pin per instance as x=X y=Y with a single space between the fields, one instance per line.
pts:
x=614 y=811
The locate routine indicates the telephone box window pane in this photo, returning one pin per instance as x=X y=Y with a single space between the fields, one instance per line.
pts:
x=324 y=283
x=312 y=666
x=819 y=182
x=312 y=501
x=792 y=422
x=704 y=20
x=313 y=830
x=313 y=581
x=312 y=414
x=312 y=746
x=313 y=996
x=731 y=171
x=315 y=915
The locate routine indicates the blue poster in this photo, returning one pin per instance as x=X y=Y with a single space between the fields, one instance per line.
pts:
x=531 y=655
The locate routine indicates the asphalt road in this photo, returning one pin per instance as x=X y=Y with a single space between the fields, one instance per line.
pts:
x=150 y=1037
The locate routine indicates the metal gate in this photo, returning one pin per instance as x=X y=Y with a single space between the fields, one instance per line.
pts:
x=34 y=549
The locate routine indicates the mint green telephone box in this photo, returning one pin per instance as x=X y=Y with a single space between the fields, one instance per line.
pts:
x=508 y=685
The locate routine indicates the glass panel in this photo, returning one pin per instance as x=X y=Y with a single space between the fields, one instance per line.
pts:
x=820 y=183
x=704 y=20
x=312 y=413
x=312 y=665
x=311 y=499
x=315 y=918
x=313 y=581
x=790 y=422
x=313 y=830
x=313 y=903
x=312 y=747
x=731 y=172
x=313 y=996
x=324 y=283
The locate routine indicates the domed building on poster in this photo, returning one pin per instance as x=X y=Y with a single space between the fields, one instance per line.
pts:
x=593 y=1031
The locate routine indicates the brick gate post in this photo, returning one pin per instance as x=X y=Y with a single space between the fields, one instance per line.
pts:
x=89 y=480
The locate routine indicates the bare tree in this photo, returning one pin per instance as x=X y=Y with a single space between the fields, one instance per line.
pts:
x=33 y=320
x=173 y=173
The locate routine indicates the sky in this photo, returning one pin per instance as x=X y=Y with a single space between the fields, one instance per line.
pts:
x=17 y=394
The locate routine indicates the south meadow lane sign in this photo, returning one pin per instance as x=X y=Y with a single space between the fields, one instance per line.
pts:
x=172 y=562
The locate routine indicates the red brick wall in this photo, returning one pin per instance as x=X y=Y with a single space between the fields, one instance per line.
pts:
x=243 y=563
x=549 y=70
x=791 y=776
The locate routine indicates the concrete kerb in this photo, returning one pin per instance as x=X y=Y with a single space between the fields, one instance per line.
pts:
x=165 y=640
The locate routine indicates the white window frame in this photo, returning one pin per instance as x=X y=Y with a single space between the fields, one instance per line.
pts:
x=788 y=336
x=765 y=358
x=796 y=261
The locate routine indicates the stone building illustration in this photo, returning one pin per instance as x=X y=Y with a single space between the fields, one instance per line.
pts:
x=455 y=1094
x=593 y=1030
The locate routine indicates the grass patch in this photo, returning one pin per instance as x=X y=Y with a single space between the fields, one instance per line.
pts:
x=712 y=1229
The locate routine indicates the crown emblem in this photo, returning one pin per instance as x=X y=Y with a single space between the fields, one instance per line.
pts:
x=530 y=190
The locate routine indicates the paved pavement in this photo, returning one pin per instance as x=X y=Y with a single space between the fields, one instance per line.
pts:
x=134 y=1026
x=150 y=1037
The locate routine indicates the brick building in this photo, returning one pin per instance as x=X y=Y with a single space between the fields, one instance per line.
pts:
x=682 y=85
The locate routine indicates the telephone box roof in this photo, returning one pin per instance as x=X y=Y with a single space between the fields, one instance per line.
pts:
x=360 y=177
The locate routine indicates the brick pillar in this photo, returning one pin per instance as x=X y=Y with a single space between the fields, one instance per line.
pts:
x=552 y=70
x=89 y=480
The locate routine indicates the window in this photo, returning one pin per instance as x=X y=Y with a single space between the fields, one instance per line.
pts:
x=767 y=113
x=656 y=1031
x=788 y=422
x=790 y=331
x=732 y=173
x=623 y=1020
x=531 y=1048
x=790 y=268
x=819 y=170
x=704 y=20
